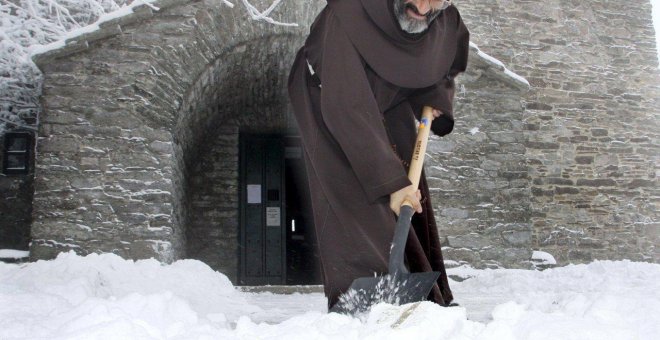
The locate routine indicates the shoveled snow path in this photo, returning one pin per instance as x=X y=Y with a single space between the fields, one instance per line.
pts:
x=279 y=307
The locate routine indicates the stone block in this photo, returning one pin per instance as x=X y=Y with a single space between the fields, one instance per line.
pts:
x=598 y=132
x=58 y=144
x=454 y=213
x=469 y=241
x=461 y=255
x=517 y=238
x=642 y=183
x=566 y=191
x=584 y=159
x=85 y=183
x=603 y=182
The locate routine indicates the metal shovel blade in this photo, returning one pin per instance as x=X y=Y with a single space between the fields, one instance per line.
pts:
x=397 y=289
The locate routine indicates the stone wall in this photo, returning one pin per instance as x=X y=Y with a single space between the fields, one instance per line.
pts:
x=127 y=110
x=212 y=232
x=137 y=151
x=478 y=174
x=591 y=120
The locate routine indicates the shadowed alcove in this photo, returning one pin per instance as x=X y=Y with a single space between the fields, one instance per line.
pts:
x=237 y=132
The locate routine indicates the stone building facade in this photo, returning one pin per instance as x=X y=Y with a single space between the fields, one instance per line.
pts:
x=591 y=120
x=141 y=140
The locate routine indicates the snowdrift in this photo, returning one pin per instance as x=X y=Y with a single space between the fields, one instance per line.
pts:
x=107 y=297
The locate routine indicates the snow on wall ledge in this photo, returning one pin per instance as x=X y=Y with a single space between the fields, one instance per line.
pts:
x=499 y=70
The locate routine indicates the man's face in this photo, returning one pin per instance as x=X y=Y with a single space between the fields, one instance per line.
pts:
x=415 y=16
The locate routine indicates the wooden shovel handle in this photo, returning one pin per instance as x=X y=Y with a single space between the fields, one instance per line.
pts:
x=417 y=162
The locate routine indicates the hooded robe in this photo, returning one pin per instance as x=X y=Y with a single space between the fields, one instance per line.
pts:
x=357 y=87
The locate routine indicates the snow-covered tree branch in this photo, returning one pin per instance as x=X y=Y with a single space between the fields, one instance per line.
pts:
x=31 y=22
x=28 y=23
x=255 y=14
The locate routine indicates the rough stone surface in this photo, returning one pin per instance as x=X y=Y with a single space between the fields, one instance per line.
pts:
x=131 y=115
x=478 y=175
x=590 y=127
x=138 y=139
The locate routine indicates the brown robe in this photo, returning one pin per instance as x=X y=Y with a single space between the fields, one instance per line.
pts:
x=356 y=116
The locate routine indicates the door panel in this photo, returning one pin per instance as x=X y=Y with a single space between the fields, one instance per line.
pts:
x=262 y=233
x=274 y=235
x=253 y=207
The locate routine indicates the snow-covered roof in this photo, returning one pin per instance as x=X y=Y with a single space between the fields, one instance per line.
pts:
x=111 y=24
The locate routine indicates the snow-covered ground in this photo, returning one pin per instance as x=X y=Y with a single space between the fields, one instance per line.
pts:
x=106 y=297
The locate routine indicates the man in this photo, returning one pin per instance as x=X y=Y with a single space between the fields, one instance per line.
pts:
x=366 y=70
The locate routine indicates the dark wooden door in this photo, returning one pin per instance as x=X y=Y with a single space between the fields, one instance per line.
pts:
x=263 y=235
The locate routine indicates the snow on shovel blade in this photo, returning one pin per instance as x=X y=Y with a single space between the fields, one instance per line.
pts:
x=397 y=289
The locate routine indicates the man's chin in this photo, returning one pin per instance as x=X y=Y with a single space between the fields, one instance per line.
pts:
x=414 y=26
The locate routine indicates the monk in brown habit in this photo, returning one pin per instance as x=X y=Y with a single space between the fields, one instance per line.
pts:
x=365 y=72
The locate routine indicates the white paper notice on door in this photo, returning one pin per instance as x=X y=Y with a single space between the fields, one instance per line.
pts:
x=273 y=216
x=254 y=193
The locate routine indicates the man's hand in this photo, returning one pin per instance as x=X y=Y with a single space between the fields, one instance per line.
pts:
x=406 y=194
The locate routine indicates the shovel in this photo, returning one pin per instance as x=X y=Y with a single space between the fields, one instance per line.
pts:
x=399 y=286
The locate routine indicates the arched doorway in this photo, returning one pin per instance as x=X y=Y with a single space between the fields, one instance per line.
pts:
x=139 y=138
x=244 y=204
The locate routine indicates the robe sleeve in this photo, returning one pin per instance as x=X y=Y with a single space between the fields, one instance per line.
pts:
x=441 y=95
x=351 y=114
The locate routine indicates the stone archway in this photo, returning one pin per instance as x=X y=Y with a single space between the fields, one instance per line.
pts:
x=128 y=109
x=244 y=92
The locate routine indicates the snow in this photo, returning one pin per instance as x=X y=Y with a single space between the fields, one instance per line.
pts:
x=123 y=11
x=28 y=23
x=254 y=13
x=106 y=297
x=543 y=257
x=13 y=254
x=498 y=64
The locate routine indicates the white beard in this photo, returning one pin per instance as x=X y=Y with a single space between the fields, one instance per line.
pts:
x=411 y=25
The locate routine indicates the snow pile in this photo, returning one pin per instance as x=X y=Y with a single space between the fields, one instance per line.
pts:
x=543 y=257
x=619 y=300
x=14 y=254
x=104 y=296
